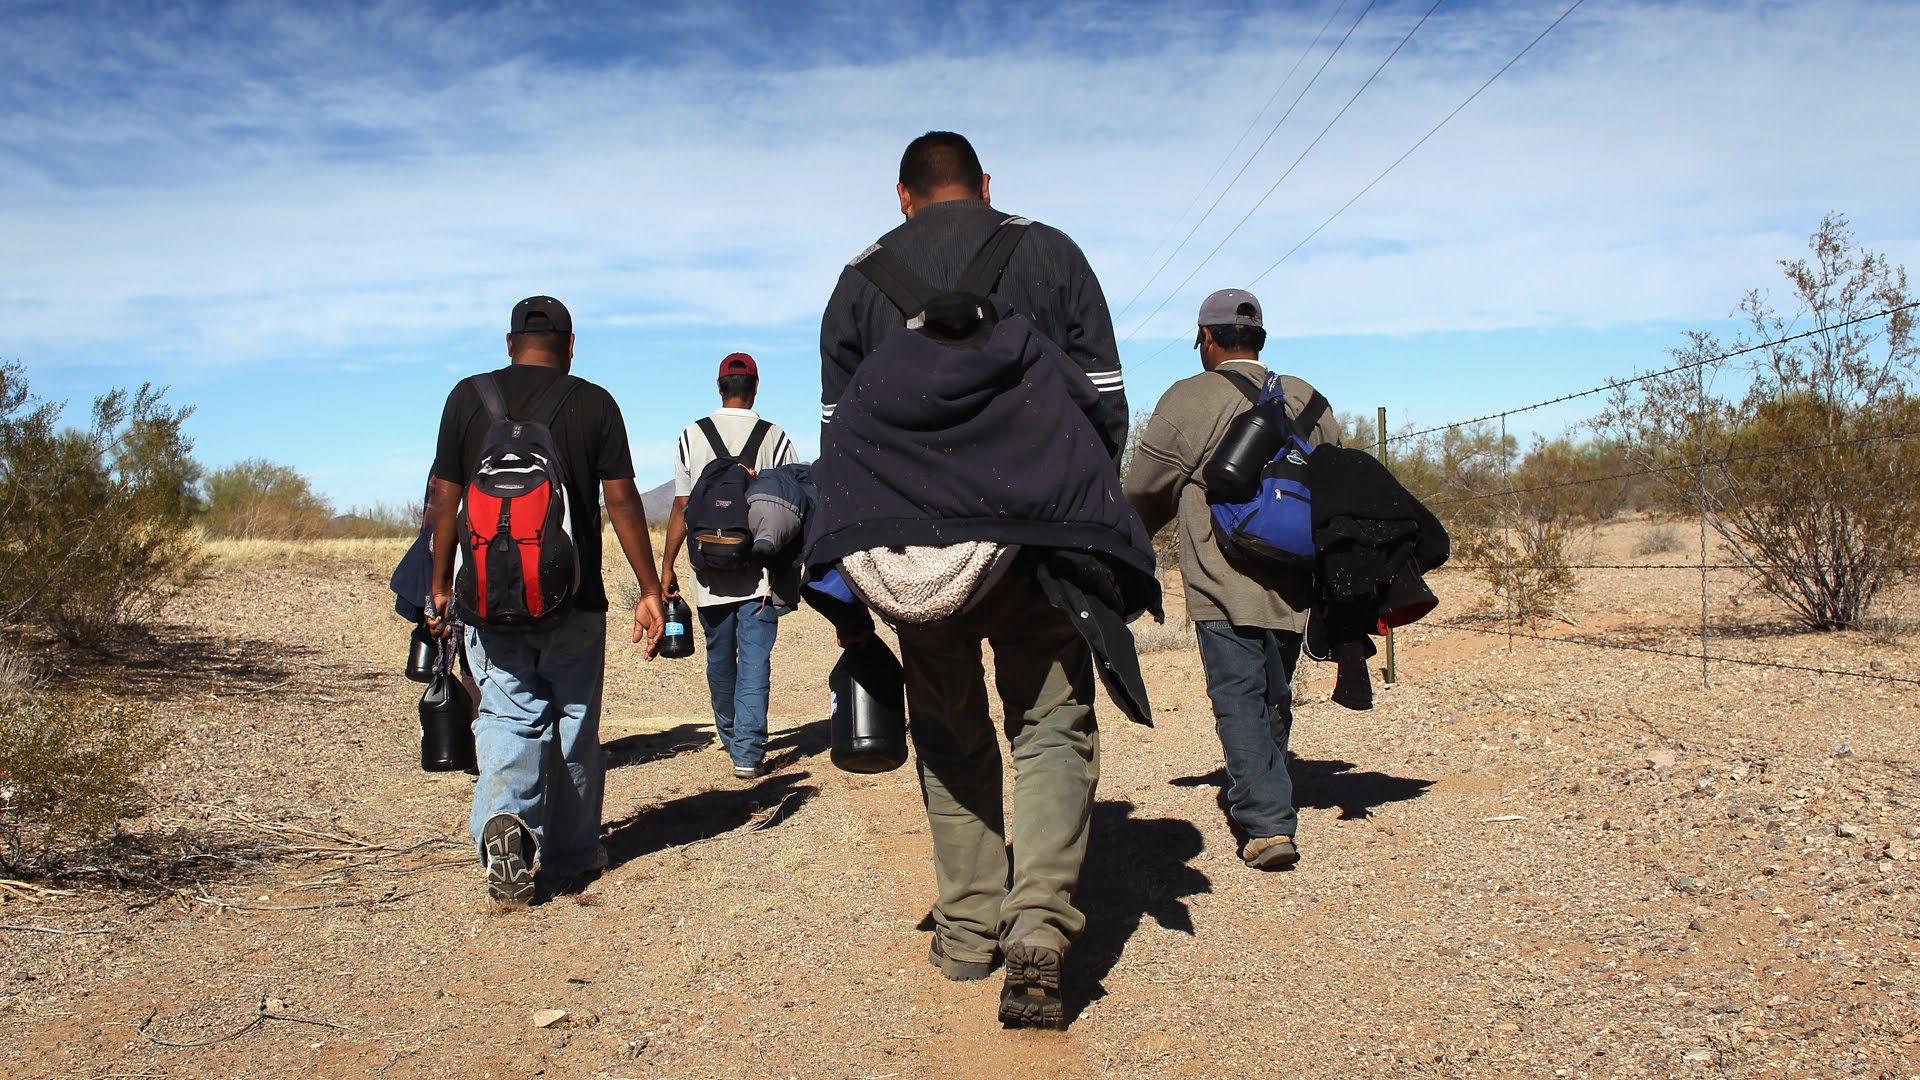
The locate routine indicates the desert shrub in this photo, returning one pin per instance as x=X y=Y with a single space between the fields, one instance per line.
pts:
x=256 y=499
x=69 y=769
x=381 y=521
x=1811 y=473
x=99 y=518
x=1657 y=540
x=1887 y=627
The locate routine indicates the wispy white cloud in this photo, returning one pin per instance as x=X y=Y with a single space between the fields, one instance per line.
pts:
x=225 y=187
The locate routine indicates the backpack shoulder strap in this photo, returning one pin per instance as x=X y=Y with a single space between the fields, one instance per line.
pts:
x=1243 y=383
x=1309 y=417
x=893 y=277
x=489 y=392
x=982 y=275
x=547 y=405
x=705 y=424
x=750 y=453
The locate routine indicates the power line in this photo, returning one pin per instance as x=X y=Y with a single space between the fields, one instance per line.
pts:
x=1688 y=366
x=1423 y=139
x=1296 y=164
x=1250 y=157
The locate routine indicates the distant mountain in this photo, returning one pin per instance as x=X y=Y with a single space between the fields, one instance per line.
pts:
x=658 y=503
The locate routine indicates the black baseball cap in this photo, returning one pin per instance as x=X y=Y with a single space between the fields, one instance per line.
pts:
x=556 y=315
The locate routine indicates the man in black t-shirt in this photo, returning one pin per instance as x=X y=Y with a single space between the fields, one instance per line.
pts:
x=540 y=690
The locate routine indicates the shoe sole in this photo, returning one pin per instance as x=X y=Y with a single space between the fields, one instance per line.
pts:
x=1277 y=857
x=509 y=870
x=1031 y=997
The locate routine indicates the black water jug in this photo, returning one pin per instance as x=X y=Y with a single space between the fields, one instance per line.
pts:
x=869 y=713
x=676 y=636
x=421 y=653
x=446 y=725
x=1232 y=474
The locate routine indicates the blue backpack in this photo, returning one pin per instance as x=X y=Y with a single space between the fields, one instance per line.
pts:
x=1263 y=513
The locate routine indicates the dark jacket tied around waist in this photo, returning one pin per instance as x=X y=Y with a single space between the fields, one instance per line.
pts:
x=935 y=445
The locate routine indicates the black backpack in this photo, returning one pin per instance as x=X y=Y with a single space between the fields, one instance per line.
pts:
x=718 y=539
x=910 y=292
x=518 y=567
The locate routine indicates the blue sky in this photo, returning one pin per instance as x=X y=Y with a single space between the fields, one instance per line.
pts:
x=310 y=220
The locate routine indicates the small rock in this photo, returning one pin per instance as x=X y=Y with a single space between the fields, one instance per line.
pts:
x=1698 y=1055
x=1897 y=848
x=1726 y=1008
x=1508 y=1028
x=1686 y=885
x=1696 y=925
x=1661 y=760
x=273 y=1005
x=546 y=1018
x=1848 y=829
x=1843 y=750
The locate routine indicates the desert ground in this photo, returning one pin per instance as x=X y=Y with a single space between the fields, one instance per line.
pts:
x=1529 y=859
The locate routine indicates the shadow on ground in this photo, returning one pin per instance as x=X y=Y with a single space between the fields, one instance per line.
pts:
x=1328 y=785
x=677 y=822
x=1136 y=868
x=658 y=745
x=171 y=661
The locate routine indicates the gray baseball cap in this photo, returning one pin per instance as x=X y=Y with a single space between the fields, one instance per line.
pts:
x=1230 y=307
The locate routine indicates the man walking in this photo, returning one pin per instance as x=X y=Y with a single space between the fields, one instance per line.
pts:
x=1248 y=628
x=737 y=608
x=1043 y=665
x=536 y=807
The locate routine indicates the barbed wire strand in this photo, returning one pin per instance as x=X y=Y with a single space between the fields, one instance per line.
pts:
x=1676 y=369
x=1797 y=567
x=1217 y=169
x=1624 y=647
x=1258 y=203
x=1410 y=150
x=1656 y=470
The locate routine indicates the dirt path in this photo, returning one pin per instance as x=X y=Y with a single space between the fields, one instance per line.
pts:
x=1543 y=861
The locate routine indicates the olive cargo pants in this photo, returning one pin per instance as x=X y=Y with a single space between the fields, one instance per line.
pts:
x=1043 y=671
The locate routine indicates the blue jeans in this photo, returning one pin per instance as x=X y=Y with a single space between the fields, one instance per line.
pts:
x=1250 y=679
x=537 y=737
x=739 y=667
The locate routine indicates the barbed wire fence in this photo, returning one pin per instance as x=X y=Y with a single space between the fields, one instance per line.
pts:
x=1505 y=493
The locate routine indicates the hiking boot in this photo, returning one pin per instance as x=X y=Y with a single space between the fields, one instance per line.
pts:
x=1031 y=996
x=509 y=853
x=1270 y=853
x=957 y=970
x=749 y=772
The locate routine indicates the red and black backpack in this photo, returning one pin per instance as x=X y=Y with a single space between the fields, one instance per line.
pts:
x=518 y=566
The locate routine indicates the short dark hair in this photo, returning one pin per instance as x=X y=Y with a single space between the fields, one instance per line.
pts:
x=939 y=159
x=551 y=342
x=738 y=386
x=1235 y=337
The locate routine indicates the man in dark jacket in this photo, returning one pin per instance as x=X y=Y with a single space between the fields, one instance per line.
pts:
x=1043 y=666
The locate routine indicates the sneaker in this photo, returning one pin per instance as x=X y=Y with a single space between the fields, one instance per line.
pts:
x=749 y=772
x=957 y=970
x=1031 y=997
x=509 y=851
x=1270 y=853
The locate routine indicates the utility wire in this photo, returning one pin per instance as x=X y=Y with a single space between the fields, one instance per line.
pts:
x=1296 y=164
x=1423 y=139
x=1688 y=366
x=1250 y=157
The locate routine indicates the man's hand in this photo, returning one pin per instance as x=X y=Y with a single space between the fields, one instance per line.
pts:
x=670 y=583
x=648 y=621
x=440 y=622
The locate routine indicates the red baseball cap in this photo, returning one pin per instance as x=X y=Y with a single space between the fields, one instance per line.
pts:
x=739 y=364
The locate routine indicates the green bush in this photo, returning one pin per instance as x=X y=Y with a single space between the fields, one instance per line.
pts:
x=69 y=770
x=258 y=500
x=99 y=518
x=1810 y=470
